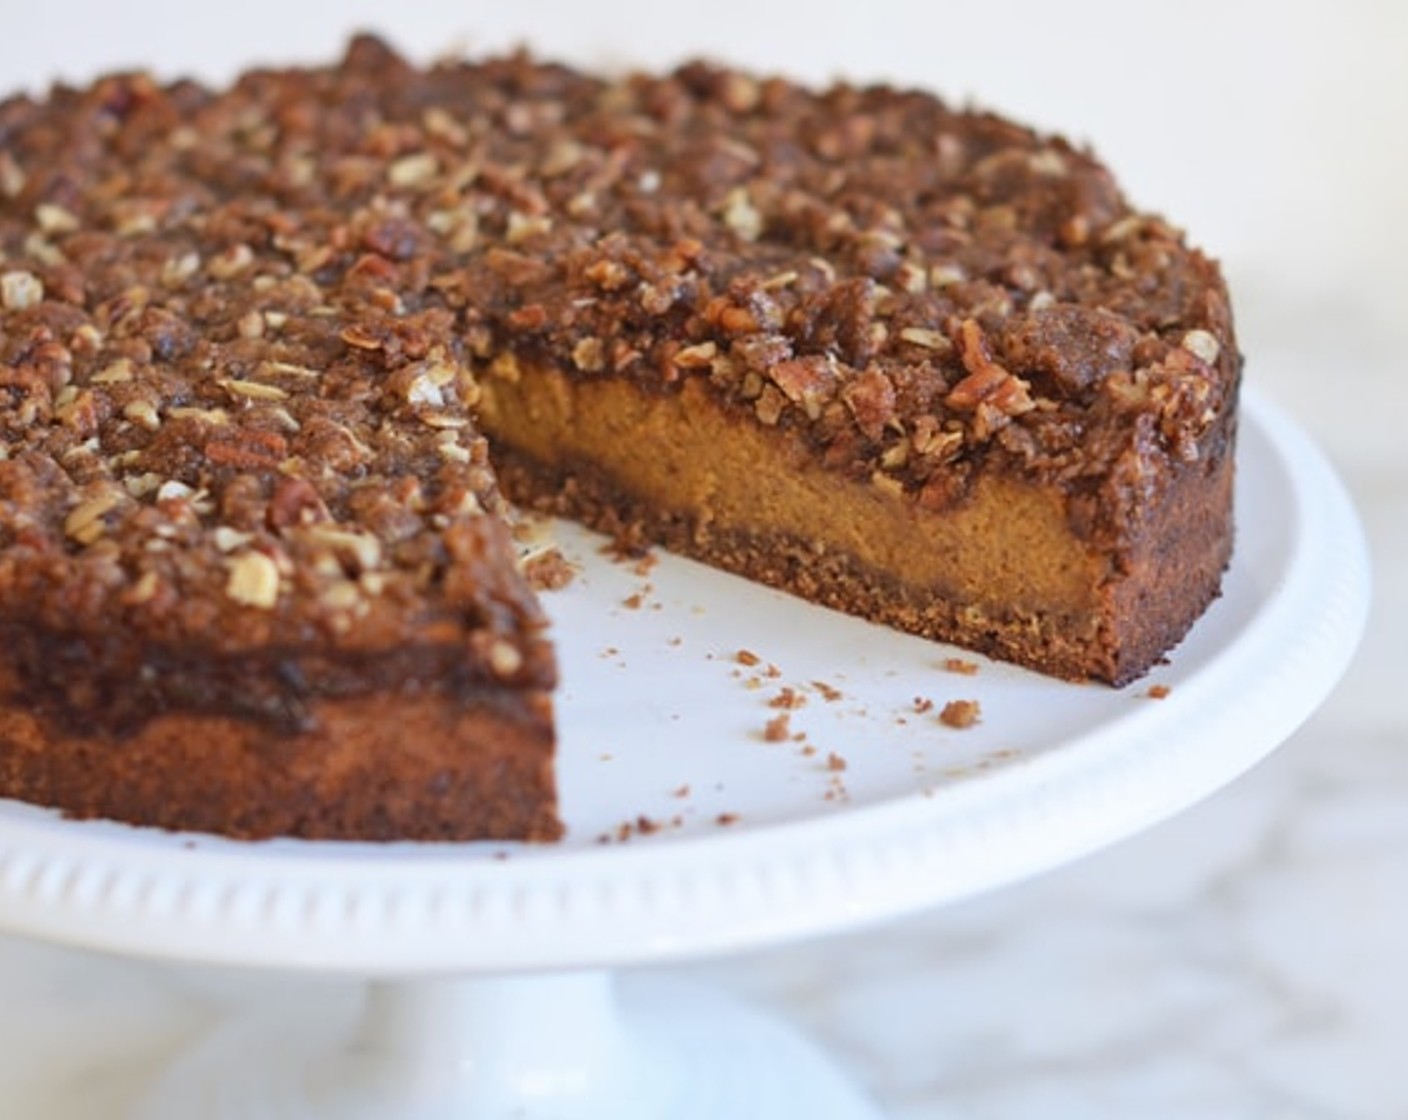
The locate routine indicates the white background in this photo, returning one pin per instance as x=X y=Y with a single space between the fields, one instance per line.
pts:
x=1245 y=960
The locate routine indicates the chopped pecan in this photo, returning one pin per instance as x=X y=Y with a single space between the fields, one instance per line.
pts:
x=987 y=382
x=248 y=450
x=295 y=502
x=20 y=290
x=517 y=269
x=871 y=399
x=809 y=382
x=253 y=580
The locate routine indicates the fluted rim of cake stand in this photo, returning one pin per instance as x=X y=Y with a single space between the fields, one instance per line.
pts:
x=368 y=911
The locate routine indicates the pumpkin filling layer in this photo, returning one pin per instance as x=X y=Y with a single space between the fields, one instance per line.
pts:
x=1000 y=569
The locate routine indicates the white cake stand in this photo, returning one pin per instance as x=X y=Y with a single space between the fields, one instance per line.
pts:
x=492 y=968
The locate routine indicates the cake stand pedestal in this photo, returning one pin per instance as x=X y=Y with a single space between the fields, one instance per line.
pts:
x=491 y=986
x=567 y=1046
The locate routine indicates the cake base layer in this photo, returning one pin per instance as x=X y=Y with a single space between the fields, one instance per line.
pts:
x=372 y=767
x=1000 y=571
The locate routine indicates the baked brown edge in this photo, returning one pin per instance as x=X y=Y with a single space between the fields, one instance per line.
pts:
x=375 y=767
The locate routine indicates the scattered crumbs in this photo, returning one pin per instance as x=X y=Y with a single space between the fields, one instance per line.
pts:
x=753 y=684
x=675 y=642
x=646 y=564
x=923 y=705
x=682 y=791
x=549 y=570
x=641 y=826
x=620 y=834
x=772 y=672
x=960 y=666
x=835 y=763
x=606 y=757
x=622 y=549
x=634 y=601
x=960 y=714
x=727 y=818
x=778 y=728
x=1158 y=691
x=829 y=693
x=808 y=751
x=610 y=651
x=747 y=657
x=788 y=698
x=500 y=855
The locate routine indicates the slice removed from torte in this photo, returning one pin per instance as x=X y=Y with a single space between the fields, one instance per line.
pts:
x=918 y=364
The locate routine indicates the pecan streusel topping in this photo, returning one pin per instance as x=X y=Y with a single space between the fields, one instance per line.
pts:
x=240 y=331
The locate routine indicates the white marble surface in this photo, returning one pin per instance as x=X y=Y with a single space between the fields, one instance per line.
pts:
x=1243 y=960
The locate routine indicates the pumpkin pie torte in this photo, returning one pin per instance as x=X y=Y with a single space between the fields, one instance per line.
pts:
x=271 y=357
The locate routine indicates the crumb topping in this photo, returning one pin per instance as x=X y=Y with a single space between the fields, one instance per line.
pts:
x=778 y=729
x=242 y=332
x=960 y=714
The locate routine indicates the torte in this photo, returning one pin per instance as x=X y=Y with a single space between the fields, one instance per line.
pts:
x=271 y=356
